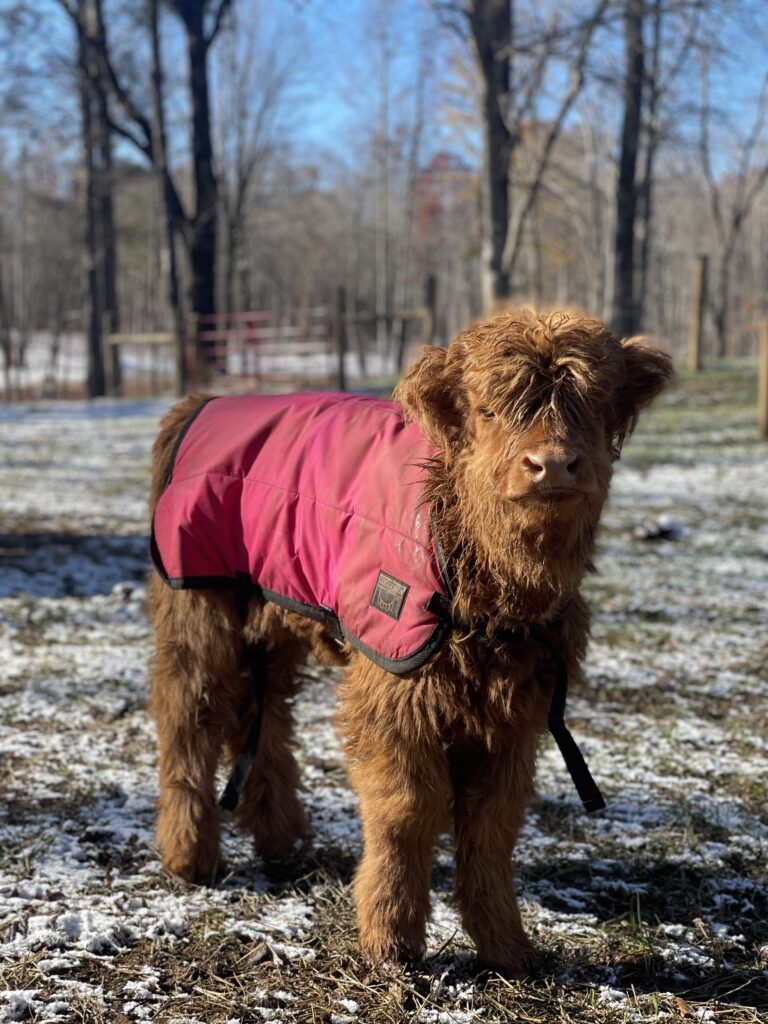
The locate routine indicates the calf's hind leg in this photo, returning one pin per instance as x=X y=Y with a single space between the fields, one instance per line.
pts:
x=269 y=805
x=195 y=681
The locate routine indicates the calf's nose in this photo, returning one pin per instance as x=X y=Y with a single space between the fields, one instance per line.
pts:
x=555 y=467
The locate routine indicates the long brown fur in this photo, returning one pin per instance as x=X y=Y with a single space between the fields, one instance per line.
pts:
x=453 y=744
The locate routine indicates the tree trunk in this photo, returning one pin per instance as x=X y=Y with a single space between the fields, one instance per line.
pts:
x=491 y=23
x=172 y=226
x=645 y=197
x=646 y=219
x=203 y=249
x=722 y=303
x=230 y=263
x=108 y=239
x=106 y=182
x=403 y=289
x=625 y=306
x=234 y=213
x=93 y=250
x=382 y=257
x=5 y=339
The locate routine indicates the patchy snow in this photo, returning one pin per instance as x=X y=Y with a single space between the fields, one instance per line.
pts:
x=153 y=369
x=606 y=994
x=672 y=722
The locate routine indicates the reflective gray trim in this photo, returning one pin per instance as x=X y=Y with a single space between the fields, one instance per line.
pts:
x=397 y=666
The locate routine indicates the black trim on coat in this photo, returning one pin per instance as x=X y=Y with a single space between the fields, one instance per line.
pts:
x=154 y=551
x=182 y=434
x=397 y=666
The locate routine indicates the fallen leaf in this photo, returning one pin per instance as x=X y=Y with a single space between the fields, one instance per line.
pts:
x=683 y=1007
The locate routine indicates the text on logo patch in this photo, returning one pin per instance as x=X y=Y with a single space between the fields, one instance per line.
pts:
x=389 y=595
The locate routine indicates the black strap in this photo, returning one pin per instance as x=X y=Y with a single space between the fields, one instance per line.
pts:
x=244 y=591
x=444 y=566
x=585 y=785
x=256 y=661
x=332 y=624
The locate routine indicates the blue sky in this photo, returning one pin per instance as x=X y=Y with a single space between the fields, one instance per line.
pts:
x=333 y=103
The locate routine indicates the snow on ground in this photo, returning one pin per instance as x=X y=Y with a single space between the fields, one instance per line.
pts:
x=662 y=895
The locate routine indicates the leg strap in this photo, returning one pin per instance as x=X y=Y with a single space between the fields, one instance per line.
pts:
x=256 y=661
x=585 y=785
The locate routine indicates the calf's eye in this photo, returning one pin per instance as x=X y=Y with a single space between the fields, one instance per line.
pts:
x=487 y=414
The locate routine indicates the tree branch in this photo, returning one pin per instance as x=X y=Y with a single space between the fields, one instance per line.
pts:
x=218 y=21
x=141 y=144
x=514 y=238
x=705 y=150
x=749 y=146
x=69 y=9
x=99 y=41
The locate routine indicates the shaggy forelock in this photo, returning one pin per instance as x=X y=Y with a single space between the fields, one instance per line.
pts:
x=560 y=367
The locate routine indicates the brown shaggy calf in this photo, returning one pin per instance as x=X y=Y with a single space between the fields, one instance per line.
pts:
x=529 y=413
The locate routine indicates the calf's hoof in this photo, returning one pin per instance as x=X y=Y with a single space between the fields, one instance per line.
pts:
x=380 y=946
x=202 y=868
x=278 y=838
x=517 y=964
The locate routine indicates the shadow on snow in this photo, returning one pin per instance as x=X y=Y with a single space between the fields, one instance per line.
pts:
x=69 y=565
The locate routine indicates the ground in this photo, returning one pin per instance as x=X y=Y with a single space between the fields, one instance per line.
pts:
x=654 y=909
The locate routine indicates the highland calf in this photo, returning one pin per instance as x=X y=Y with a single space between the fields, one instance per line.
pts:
x=435 y=547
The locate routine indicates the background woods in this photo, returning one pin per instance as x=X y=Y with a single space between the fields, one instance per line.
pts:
x=162 y=158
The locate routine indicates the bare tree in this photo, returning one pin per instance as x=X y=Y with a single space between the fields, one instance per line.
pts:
x=391 y=198
x=625 y=311
x=491 y=29
x=652 y=67
x=414 y=147
x=6 y=342
x=174 y=223
x=256 y=74
x=509 y=99
x=105 y=177
x=533 y=184
x=93 y=249
x=731 y=196
x=202 y=20
x=100 y=243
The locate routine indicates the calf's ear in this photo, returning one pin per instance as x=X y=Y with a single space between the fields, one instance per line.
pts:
x=430 y=394
x=647 y=370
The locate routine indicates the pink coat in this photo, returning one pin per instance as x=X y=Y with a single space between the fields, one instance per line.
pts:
x=314 y=502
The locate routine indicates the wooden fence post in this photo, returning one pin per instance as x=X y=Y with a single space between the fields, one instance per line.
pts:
x=762 y=407
x=340 y=336
x=699 y=304
x=430 y=304
x=180 y=356
x=192 y=350
x=112 y=369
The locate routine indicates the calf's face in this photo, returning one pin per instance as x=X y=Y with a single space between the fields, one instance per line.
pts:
x=532 y=410
x=538 y=465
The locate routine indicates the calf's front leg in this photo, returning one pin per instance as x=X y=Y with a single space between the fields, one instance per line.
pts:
x=490 y=796
x=402 y=810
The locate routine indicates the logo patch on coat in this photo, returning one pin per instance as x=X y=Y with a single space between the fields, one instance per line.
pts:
x=389 y=595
